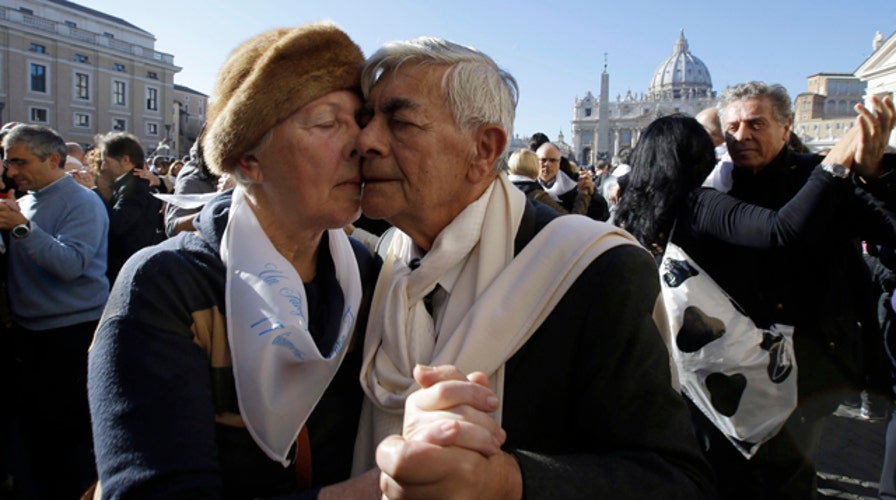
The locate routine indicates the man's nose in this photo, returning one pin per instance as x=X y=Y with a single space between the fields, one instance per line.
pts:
x=370 y=140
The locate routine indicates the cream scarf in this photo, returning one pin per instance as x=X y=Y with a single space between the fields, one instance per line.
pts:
x=496 y=304
x=562 y=185
x=280 y=375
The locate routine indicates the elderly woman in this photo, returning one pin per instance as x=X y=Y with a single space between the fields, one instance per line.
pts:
x=225 y=364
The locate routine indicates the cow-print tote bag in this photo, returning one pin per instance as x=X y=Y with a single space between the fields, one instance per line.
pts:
x=743 y=378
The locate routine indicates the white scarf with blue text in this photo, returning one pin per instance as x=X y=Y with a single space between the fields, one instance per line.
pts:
x=280 y=374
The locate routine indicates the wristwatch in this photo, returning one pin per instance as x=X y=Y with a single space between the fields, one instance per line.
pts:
x=835 y=169
x=22 y=230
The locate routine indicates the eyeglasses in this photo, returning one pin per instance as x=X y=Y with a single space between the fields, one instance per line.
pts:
x=549 y=160
x=15 y=162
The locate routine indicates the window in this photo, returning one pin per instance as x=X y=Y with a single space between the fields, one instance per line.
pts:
x=587 y=111
x=152 y=128
x=186 y=98
x=39 y=115
x=152 y=75
x=118 y=93
x=108 y=35
x=36 y=47
x=152 y=99
x=82 y=86
x=81 y=58
x=119 y=124
x=118 y=67
x=71 y=24
x=82 y=120
x=38 y=78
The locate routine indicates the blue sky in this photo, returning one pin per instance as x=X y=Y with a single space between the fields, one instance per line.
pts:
x=556 y=53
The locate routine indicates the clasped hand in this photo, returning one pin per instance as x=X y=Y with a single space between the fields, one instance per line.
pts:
x=450 y=445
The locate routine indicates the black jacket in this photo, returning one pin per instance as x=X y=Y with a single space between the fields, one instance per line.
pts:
x=589 y=408
x=135 y=220
x=798 y=270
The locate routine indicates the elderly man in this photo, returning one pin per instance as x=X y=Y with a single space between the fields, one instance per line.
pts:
x=568 y=192
x=75 y=156
x=57 y=290
x=583 y=391
x=820 y=284
x=720 y=177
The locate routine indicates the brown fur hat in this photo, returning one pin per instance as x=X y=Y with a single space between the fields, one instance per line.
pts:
x=268 y=78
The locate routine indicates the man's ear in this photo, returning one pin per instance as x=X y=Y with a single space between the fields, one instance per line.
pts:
x=787 y=129
x=55 y=160
x=249 y=166
x=127 y=163
x=491 y=140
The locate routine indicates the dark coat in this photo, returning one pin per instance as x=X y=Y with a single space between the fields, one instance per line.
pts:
x=135 y=220
x=160 y=372
x=598 y=209
x=588 y=402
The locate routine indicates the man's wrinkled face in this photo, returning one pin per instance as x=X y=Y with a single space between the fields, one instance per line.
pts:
x=415 y=157
x=549 y=157
x=753 y=134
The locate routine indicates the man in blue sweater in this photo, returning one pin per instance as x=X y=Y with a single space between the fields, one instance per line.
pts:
x=57 y=288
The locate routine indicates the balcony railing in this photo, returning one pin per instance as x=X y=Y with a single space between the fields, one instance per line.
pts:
x=61 y=29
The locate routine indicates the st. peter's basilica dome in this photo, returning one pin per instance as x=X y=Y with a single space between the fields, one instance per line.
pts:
x=681 y=75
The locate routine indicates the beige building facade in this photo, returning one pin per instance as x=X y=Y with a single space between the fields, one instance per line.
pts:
x=189 y=108
x=83 y=72
x=601 y=127
x=823 y=114
x=879 y=71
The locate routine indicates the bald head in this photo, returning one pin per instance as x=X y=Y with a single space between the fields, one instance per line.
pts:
x=75 y=149
x=549 y=156
x=710 y=120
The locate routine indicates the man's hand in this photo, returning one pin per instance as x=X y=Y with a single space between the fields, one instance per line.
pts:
x=10 y=214
x=452 y=409
x=413 y=469
x=450 y=445
x=585 y=184
x=145 y=173
x=875 y=128
x=844 y=151
x=84 y=177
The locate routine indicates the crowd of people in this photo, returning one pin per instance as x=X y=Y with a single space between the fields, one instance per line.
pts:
x=494 y=326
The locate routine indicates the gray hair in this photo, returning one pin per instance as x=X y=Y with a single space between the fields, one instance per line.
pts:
x=477 y=90
x=41 y=141
x=777 y=94
x=607 y=184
